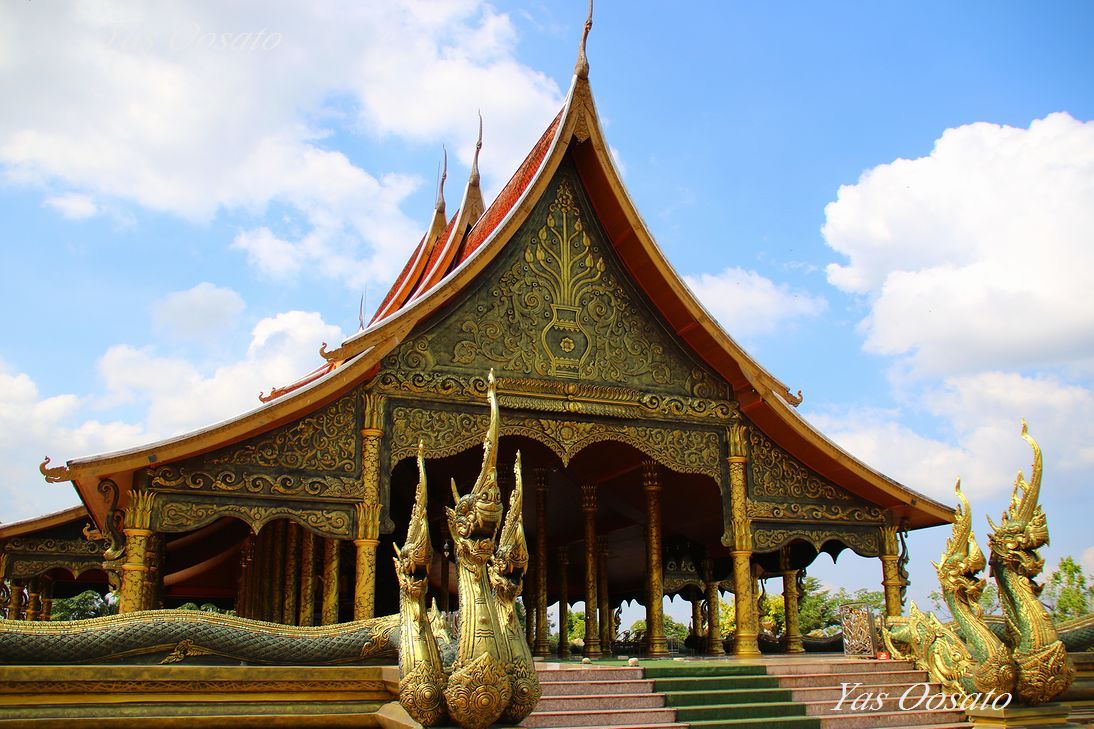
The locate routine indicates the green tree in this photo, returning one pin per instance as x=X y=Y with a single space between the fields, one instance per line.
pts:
x=88 y=604
x=575 y=625
x=819 y=610
x=1069 y=592
x=672 y=628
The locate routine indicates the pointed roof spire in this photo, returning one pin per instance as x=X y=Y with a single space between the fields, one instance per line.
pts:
x=581 y=69
x=475 y=161
x=440 y=185
x=361 y=313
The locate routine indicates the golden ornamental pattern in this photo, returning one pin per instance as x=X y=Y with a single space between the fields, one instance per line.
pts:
x=557 y=396
x=323 y=441
x=863 y=543
x=447 y=433
x=557 y=305
x=778 y=475
x=176 y=516
x=860 y=514
x=229 y=481
x=51 y=545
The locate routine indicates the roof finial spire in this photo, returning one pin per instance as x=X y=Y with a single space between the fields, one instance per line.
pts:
x=581 y=70
x=361 y=313
x=475 y=161
x=440 y=185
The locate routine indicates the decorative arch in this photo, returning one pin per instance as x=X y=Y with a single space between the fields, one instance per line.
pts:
x=863 y=542
x=179 y=514
x=448 y=432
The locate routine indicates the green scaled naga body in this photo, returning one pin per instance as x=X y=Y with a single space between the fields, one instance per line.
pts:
x=1044 y=669
x=422 y=678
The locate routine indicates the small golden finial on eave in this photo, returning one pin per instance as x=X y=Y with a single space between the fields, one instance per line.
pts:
x=53 y=475
x=440 y=185
x=581 y=70
x=475 y=160
x=361 y=312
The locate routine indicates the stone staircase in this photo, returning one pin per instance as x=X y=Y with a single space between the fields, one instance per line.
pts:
x=796 y=693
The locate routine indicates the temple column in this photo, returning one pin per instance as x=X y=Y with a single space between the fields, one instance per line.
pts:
x=697 y=618
x=277 y=571
x=607 y=639
x=15 y=602
x=592 y=632
x=657 y=646
x=563 y=604
x=330 y=581
x=47 y=601
x=306 y=615
x=542 y=644
x=292 y=573
x=714 y=613
x=34 y=600
x=368 y=511
x=368 y=537
x=790 y=608
x=267 y=572
x=891 y=581
x=528 y=600
x=744 y=643
x=138 y=520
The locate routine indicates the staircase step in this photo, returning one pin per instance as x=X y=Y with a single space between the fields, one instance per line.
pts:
x=710 y=668
x=873 y=678
x=712 y=683
x=833 y=693
x=888 y=704
x=600 y=718
x=731 y=696
x=613 y=673
x=570 y=688
x=839 y=666
x=788 y=722
x=724 y=712
x=872 y=720
x=602 y=701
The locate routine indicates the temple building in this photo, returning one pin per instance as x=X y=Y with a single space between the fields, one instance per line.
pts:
x=660 y=458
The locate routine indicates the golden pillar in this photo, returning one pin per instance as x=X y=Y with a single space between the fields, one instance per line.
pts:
x=592 y=632
x=152 y=597
x=15 y=602
x=529 y=603
x=34 y=600
x=330 y=581
x=47 y=601
x=890 y=572
x=607 y=639
x=368 y=537
x=542 y=643
x=563 y=604
x=697 y=618
x=744 y=643
x=790 y=607
x=656 y=645
x=307 y=578
x=714 y=612
x=292 y=573
x=138 y=521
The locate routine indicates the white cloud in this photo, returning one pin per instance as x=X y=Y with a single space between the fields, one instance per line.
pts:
x=979 y=418
x=73 y=205
x=178 y=396
x=158 y=112
x=198 y=314
x=165 y=395
x=978 y=255
x=31 y=427
x=748 y=304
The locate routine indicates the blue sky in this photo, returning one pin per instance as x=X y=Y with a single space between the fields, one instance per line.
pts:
x=889 y=205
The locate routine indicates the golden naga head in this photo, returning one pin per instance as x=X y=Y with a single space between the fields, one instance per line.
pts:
x=477 y=515
x=511 y=558
x=962 y=560
x=1024 y=527
x=412 y=560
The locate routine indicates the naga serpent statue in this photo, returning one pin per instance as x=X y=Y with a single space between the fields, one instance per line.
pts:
x=966 y=656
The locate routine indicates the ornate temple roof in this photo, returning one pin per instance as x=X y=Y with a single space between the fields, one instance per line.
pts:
x=448 y=260
x=40 y=523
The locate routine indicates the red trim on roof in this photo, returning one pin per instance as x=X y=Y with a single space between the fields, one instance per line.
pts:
x=399 y=281
x=312 y=376
x=509 y=194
